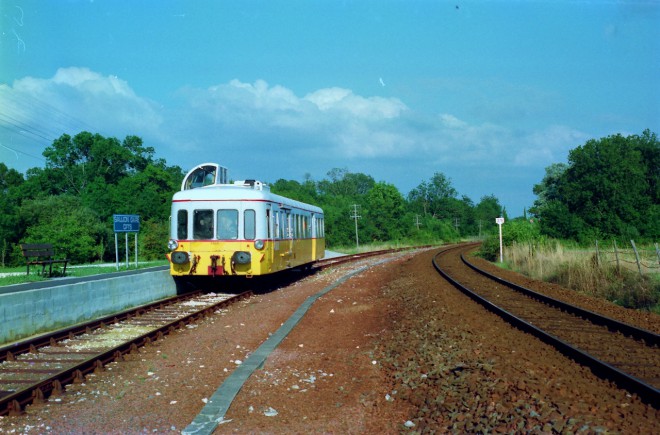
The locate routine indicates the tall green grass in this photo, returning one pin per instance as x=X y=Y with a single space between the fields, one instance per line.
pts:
x=583 y=271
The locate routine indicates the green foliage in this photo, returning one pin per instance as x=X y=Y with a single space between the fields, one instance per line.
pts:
x=88 y=178
x=74 y=230
x=69 y=203
x=485 y=213
x=610 y=187
x=385 y=206
x=436 y=197
x=152 y=239
x=432 y=231
x=514 y=231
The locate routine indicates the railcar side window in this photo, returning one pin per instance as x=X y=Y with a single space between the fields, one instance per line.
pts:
x=249 y=229
x=202 y=224
x=277 y=226
x=227 y=224
x=182 y=224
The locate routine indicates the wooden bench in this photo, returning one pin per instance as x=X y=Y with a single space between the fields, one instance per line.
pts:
x=41 y=254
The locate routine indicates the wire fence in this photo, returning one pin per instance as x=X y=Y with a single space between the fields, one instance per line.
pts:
x=646 y=260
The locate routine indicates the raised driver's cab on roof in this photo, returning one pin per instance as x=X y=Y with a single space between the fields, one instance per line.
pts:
x=205 y=174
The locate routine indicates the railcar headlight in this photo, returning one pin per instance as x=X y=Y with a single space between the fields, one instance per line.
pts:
x=241 y=257
x=172 y=244
x=259 y=244
x=180 y=257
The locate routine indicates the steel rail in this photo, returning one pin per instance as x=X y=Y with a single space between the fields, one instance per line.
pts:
x=14 y=403
x=50 y=338
x=328 y=262
x=650 y=338
x=646 y=392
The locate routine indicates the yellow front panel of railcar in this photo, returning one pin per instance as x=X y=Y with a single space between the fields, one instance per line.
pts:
x=218 y=258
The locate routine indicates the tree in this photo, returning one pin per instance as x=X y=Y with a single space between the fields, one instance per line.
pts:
x=62 y=220
x=548 y=189
x=486 y=211
x=435 y=197
x=384 y=209
x=608 y=188
x=305 y=192
x=87 y=178
x=344 y=183
x=10 y=199
x=77 y=162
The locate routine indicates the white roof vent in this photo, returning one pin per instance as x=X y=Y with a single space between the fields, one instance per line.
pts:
x=255 y=184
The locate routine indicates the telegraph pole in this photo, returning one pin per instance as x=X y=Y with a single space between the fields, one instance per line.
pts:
x=417 y=222
x=355 y=215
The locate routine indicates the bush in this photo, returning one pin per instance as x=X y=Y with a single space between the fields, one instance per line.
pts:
x=515 y=231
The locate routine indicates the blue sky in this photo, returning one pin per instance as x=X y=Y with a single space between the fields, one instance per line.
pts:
x=488 y=92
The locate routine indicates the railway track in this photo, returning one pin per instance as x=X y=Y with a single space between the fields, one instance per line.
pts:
x=34 y=369
x=622 y=353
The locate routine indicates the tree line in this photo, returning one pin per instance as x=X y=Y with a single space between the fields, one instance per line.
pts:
x=70 y=202
x=610 y=188
x=87 y=178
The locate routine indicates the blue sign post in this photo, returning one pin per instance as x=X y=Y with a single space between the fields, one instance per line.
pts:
x=126 y=223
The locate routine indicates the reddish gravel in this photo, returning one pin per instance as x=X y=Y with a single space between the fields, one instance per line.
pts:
x=392 y=345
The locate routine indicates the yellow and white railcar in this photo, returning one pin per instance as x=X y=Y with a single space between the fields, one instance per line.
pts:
x=240 y=229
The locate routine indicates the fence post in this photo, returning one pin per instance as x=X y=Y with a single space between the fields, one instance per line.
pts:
x=639 y=266
x=597 y=254
x=616 y=255
x=657 y=252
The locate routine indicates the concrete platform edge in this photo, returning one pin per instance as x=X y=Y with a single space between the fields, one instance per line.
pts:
x=26 y=313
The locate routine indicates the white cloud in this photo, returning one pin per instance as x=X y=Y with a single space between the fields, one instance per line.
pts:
x=258 y=127
x=343 y=101
x=451 y=121
x=77 y=99
x=549 y=145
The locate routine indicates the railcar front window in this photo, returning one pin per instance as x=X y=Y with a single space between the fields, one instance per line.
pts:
x=202 y=224
x=227 y=224
x=201 y=177
x=182 y=224
x=249 y=228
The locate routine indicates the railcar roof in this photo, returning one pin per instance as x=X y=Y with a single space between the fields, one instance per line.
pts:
x=232 y=192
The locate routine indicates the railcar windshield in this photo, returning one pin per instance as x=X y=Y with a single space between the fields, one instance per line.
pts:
x=182 y=224
x=249 y=230
x=203 y=224
x=227 y=224
x=201 y=177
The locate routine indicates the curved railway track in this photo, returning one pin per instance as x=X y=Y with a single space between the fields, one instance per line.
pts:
x=622 y=353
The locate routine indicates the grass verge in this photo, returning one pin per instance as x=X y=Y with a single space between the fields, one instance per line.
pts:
x=18 y=275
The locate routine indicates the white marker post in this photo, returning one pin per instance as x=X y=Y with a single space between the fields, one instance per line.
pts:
x=499 y=221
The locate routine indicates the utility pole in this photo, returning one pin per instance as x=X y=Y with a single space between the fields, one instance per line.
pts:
x=417 y=222
x=355 y=215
